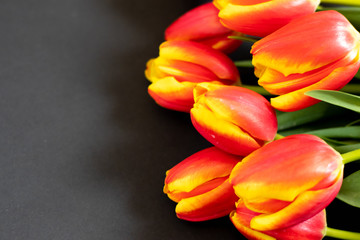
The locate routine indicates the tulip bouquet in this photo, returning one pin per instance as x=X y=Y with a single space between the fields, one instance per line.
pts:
x=280 y=142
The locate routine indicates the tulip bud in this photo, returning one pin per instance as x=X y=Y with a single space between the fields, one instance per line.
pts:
x=200 y=185
x=181 y=65
x=234 y=119
x=298 y=58
x=288 y=181
x=262 y=17
x=202 y=24
x=313 y=228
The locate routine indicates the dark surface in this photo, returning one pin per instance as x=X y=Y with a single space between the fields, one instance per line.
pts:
x=84 y=149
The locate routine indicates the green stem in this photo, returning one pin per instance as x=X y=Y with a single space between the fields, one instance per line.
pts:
x=341 y=234
x=351 y=156
x=244 y=63
x=278 y=136
x=342 y=2
x=244 y=38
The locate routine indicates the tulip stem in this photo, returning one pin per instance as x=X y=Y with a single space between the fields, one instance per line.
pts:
x=244 y=38
x=351 y=156
x=341 y=234
x=278 y=136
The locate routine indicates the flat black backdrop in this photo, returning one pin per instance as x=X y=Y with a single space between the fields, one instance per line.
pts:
x=83 y=148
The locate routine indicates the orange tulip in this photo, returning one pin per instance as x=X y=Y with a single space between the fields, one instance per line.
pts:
x=313 y=228
x=262 y=17
x=181 y=65
x=202 y=24
x=234 y=119
x=200 y=186
x=288 y=181
x=298 y=58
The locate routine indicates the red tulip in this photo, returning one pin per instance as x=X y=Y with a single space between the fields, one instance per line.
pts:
x=288 y=181
x=313 y=228
x=262 y=17
x=181 y=65
x=317 y=51
x=234 y=119
x=202 y=24
x=200 y=185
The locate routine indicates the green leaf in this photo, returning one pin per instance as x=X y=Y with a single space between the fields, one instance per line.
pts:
x=350 y=190
x=318 y=111
x=347 y=148
x=352 y=132
x=337 y=98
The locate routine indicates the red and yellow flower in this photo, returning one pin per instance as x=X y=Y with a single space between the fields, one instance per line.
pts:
x=288 y=181
x=202 y=24
x=200 y=185
x=262 y=17
x=181 y=65
x=313 y=228
x=234 y=119
x=317 y=51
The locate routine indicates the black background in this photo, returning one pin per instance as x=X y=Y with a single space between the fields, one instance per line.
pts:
x=83 y=147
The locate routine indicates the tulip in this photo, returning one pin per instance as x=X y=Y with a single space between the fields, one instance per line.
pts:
x=234 y=119
x=298 y=58
x=181 y=65
x=313 y=228
x=288 y=181
x=202 y=24
x=200 y=186
x=262 y=17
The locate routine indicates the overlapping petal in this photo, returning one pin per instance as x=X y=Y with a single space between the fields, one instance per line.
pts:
x=312 y=228
x=288 y=181
x=261 y=17
x=296 y=58
x=200 y=185
x=202 y=24
x=180 y=66
x=232 y=118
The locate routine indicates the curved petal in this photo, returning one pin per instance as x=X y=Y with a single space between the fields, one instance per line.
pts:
x=216 y=203
x=199 y=168
x=216 y=61
x=199 y=23
x=285 y=168
x=300 y=47
x=297 y=100
x=244 y=108
x=172 y=94
x=257 y=17
x=311 y=229
x=223 y=134
x=305 y=206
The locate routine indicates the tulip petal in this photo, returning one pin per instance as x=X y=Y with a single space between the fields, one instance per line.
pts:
x=180 y=70
x=313 y=228
x=190 y=26
x=214 y=60
x=216 y=203
x=305 y=206
x=199 y=168
x=281 y=170
x=291 y=49
x=222 y=133
x=253 y=17
x=172 y=94
x=296 y=100
x=243 y=107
